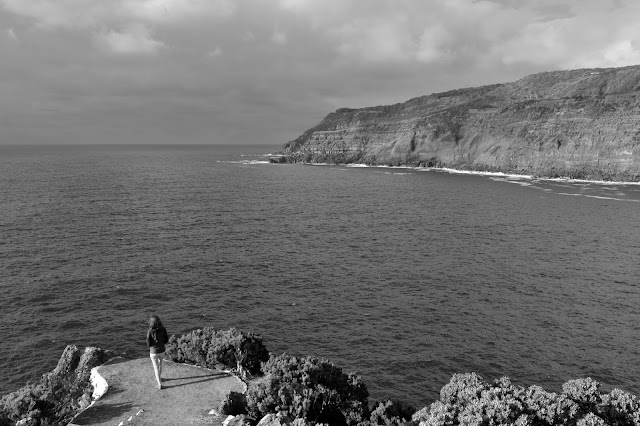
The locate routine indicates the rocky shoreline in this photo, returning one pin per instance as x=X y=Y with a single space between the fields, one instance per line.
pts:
x=579 y=124
x=282 y=159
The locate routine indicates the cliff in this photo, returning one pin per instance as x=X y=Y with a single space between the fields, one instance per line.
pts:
x=582 y=124
x=58 y=395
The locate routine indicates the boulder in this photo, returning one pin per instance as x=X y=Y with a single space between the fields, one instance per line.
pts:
x=240 y=420
x=234 y=404
x=270 y=420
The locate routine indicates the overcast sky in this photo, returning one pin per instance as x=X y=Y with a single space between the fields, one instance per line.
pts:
x=263 y=71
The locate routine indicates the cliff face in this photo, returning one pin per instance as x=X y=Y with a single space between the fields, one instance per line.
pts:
x=580 y=124
x=59 y=395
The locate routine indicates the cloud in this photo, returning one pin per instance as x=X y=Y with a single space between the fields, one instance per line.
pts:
x=432 y=47
x=279 y=37
x=168 y=11
x=594 y=35
x=282 y=64
x=548 y=33
x=374 y=40
x=293 y=5
x=122 y=26
x=74 y=14
x=11 y=34
x=137 y=40
x=215 y=52
x=623 y=52
x=249 y=37
x=59 y=13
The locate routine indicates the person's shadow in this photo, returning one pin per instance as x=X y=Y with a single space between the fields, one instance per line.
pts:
x=189 y=380
x=103 y=413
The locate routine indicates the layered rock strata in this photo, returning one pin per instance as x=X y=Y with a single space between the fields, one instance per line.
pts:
x=582 y=124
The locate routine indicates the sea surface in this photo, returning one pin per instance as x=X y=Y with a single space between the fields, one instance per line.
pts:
x=402 y=276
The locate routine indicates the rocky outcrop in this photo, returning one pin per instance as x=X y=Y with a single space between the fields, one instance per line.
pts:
x=60 y=394
x=581 y=124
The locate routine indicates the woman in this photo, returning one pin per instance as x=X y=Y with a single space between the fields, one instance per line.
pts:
x=156 y=338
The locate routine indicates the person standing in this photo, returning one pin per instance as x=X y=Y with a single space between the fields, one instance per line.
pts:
x=156 y=339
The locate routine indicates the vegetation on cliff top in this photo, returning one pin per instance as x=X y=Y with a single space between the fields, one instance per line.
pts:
x=306 y=391
x=228 y=349
x=310 y=391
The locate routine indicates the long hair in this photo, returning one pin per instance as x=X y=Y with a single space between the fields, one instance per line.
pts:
x=154 y=322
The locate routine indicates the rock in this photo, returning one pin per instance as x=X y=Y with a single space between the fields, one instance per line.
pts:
x=270 y=420
x=61 y=393
x=578 y=124
x=235 y=403
x=240 y=420
x=67 y=363
x=280 y=420
x=280 y=159
x=75 y=365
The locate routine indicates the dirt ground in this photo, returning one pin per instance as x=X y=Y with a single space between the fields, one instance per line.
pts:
x=189 y=394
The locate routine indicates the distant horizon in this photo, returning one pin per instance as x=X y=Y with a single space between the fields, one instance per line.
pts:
x=141 y=144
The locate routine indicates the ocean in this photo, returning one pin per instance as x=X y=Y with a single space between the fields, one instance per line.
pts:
x=401 y=276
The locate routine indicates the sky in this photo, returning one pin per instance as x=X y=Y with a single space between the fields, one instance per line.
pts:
x=264 y=71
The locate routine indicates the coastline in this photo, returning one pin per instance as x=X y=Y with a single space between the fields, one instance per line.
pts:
x=455 y=171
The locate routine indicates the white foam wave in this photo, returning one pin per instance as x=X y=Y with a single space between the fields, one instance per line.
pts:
x=245 y=162
x=473 y=172
x=598 y=182
x=599 y=197
x=573 y=195
x=515 y=181
x=509 y=176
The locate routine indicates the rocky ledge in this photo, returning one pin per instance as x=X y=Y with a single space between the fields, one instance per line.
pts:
x=60 y=394
x=582 y=124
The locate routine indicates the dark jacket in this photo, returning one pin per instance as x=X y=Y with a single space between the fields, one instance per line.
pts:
x=156 y=338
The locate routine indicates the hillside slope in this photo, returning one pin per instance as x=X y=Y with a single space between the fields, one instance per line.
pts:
x=581 y=124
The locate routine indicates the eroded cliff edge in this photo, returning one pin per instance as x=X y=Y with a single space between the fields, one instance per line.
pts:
x=582 y=124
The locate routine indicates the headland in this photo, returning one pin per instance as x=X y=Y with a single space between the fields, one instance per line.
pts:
x=579 y=124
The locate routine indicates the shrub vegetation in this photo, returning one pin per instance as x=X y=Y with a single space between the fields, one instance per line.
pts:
x=230 y=349
x=307 y=391
x=308 y=388
x=391 y=413
x=469 y=400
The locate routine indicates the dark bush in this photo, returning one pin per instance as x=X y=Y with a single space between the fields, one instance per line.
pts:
x=310 y=389
x=234 y=404
x=219 y=349
x=467 y=400
x=391 y=413
x=620 y=408
x=4 y=419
